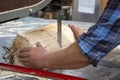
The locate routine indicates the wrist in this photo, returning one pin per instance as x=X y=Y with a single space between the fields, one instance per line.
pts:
x=46 y=59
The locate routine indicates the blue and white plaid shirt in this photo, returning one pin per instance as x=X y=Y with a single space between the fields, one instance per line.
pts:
x=104 y=36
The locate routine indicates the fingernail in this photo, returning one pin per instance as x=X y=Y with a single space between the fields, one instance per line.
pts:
x=38 y=44
x=69 y=24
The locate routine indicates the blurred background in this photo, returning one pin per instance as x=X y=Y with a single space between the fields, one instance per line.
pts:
x=76 y=10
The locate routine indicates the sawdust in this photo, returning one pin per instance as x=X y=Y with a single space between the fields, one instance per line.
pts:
x=8 y=74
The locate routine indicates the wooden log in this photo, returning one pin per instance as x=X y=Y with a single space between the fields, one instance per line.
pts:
x=46 y=35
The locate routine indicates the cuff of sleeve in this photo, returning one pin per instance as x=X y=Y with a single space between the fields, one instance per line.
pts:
x=94 y=55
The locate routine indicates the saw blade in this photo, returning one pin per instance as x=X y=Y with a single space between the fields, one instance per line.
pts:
x=59 y=28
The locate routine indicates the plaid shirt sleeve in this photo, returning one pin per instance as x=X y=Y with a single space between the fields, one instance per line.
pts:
x=104 y=36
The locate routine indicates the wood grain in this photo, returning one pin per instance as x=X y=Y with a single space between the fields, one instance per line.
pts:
x=46 y=35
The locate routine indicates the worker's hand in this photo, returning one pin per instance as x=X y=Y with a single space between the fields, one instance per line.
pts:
x=33 y=57
x=76 y=30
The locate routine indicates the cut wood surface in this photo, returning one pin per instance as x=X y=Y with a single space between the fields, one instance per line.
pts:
x=46 y=35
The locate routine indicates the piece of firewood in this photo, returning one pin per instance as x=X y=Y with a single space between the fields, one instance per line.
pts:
x=46 y=35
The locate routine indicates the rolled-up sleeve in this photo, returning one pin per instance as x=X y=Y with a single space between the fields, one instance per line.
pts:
x=104 y=36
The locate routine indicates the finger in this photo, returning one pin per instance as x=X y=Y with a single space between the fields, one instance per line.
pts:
x=23 y=55
x=74 y=29
x=25 y=64
x=38 y=44
x=25 y=49
x=24 y=59
x=77 y=31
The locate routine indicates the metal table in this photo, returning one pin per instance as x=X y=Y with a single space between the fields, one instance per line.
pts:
x=9 y=30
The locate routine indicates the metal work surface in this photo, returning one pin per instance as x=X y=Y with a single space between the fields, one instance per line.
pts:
x=108 y=69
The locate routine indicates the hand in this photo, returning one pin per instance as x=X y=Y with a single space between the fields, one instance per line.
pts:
x=33 y=57
x=77 y=31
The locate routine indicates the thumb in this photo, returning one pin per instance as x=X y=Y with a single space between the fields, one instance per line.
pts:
x=38 y=44
x=77 y=31
x=73 y=28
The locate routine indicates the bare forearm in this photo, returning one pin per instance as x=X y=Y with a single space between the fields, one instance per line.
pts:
x=69 y=58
